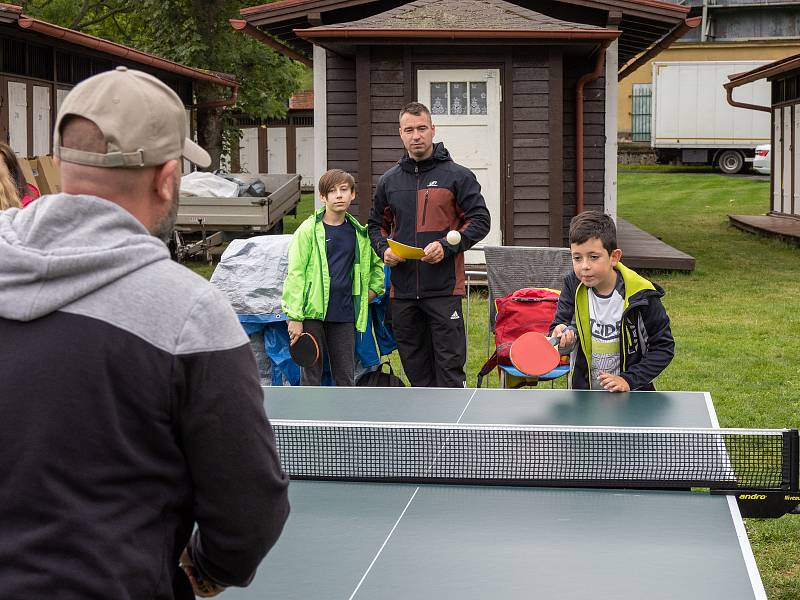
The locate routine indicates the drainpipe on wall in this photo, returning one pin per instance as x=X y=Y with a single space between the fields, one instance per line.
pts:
x=587 y=78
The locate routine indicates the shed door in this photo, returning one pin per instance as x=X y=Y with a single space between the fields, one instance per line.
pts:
x=276 y=150
x=18 y=117
x=465 y=107
x=305 y=155
x=249 y=150
x=777 y=161
x=41 y=120
x=796 y=158
x=787 y=160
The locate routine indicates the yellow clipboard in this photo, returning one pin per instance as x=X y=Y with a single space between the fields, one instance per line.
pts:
x=404 y=251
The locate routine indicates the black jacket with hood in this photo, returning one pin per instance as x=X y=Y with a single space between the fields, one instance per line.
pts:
x=419 y=202
x=646 y=345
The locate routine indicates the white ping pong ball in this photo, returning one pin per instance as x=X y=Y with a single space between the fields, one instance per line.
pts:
x=453 y=238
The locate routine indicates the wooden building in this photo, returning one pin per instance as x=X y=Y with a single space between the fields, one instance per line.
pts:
x=279 y=145
x=40 y=62
x=783 y=218
x=523 y=93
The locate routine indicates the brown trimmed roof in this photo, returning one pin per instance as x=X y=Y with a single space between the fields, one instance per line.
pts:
x=773 y=69
x=642 y=23
x=460 y=15
x=12 y=14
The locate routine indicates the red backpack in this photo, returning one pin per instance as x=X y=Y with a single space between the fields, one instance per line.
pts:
x=528 y=309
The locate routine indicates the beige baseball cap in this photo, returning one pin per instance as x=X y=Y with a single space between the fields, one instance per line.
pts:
x=142 y=120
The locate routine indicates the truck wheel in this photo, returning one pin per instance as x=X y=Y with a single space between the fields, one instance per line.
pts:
x=730 y=162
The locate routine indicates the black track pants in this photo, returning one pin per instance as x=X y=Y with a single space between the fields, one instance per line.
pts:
x=431 y=341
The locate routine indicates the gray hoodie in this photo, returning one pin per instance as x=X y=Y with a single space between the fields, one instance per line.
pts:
x=131 y=412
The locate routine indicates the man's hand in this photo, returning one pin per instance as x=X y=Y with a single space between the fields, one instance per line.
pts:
x=434 y=253
x=566 y=336
x=371 y=296
x=295 y=330
x=202 y=588
x=613 y=383
x=391 y=259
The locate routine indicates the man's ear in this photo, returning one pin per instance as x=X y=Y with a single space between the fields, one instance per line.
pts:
x=164 y=179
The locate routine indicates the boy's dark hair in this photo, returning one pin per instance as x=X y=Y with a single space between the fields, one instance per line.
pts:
x=414 y=108
x=593 y=224
x=332 y=179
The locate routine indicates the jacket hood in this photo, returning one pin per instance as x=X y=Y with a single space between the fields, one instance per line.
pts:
x=64 y=247
x=440 y=154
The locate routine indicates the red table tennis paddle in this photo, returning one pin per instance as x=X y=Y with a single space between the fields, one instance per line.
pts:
x=534 y=353
x=305 y=350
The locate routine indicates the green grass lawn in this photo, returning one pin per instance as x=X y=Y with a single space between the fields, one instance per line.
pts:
x=736 y=320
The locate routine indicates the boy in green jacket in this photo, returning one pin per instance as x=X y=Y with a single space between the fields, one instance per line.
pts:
x=333 y=275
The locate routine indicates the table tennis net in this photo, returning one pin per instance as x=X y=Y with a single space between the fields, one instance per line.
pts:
x=538 y=455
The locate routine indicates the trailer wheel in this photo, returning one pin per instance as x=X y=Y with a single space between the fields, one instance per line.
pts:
x=730 y=162
x=276 y=229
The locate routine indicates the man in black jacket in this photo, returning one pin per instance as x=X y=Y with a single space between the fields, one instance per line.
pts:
x=131 y=406
x=417 y=202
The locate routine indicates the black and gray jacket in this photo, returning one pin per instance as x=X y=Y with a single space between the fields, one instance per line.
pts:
x=646 y=346
x=130 y=412
x=417 y=203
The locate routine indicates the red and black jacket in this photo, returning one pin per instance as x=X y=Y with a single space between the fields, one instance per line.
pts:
x=417 y=203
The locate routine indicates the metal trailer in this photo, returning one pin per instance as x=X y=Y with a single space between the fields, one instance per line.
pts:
x=693 y=123
x=207 y=222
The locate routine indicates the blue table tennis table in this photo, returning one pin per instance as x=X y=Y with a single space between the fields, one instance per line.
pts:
x=383 y=541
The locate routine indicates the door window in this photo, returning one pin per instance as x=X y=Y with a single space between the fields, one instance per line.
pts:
x=458 y=98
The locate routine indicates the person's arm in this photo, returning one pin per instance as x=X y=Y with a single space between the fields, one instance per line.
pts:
x=379 y=226
x=475 y=218
x=376 y=275
x=563 y=323
x=660 y=347
x=239 y=490
x=381 y=219
x=294 y=285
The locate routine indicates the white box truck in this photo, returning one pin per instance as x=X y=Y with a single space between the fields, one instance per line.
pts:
x=692 y=122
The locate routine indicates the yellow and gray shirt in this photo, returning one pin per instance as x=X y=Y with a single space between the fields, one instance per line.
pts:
x=605 y=318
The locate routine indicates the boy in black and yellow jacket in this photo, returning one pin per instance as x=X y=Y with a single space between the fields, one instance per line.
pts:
x=622 y=330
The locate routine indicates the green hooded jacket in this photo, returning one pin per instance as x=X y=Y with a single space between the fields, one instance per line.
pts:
x=306 y=290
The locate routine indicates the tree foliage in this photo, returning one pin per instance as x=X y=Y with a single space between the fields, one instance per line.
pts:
x=194 y=33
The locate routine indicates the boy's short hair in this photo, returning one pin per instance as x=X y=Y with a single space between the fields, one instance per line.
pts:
x=593 y=224
x=333 y=178
x=414 y=108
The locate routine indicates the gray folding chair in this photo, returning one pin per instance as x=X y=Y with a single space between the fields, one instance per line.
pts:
x=511 y=268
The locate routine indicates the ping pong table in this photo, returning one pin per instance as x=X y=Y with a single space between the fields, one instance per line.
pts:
x=351 y=540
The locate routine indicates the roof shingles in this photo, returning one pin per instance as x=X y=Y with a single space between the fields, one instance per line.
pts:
x=464 y=15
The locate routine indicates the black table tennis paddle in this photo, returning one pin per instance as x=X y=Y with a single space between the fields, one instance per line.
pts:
x=305 y=350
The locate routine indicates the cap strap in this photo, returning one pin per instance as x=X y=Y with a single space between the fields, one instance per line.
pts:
x=94 y=159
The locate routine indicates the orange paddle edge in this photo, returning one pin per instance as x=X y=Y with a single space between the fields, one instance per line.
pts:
x=304 y=350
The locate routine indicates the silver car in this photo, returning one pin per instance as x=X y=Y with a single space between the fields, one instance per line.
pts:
x=761 y=161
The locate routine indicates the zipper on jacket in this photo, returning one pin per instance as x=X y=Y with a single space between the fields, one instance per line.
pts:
x=416 y=243
x=425 y=207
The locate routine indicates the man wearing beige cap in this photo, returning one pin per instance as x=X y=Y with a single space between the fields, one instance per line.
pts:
x=131 y=407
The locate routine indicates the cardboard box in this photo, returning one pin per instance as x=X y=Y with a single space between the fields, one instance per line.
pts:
x=28 y=170
x=48 y=179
